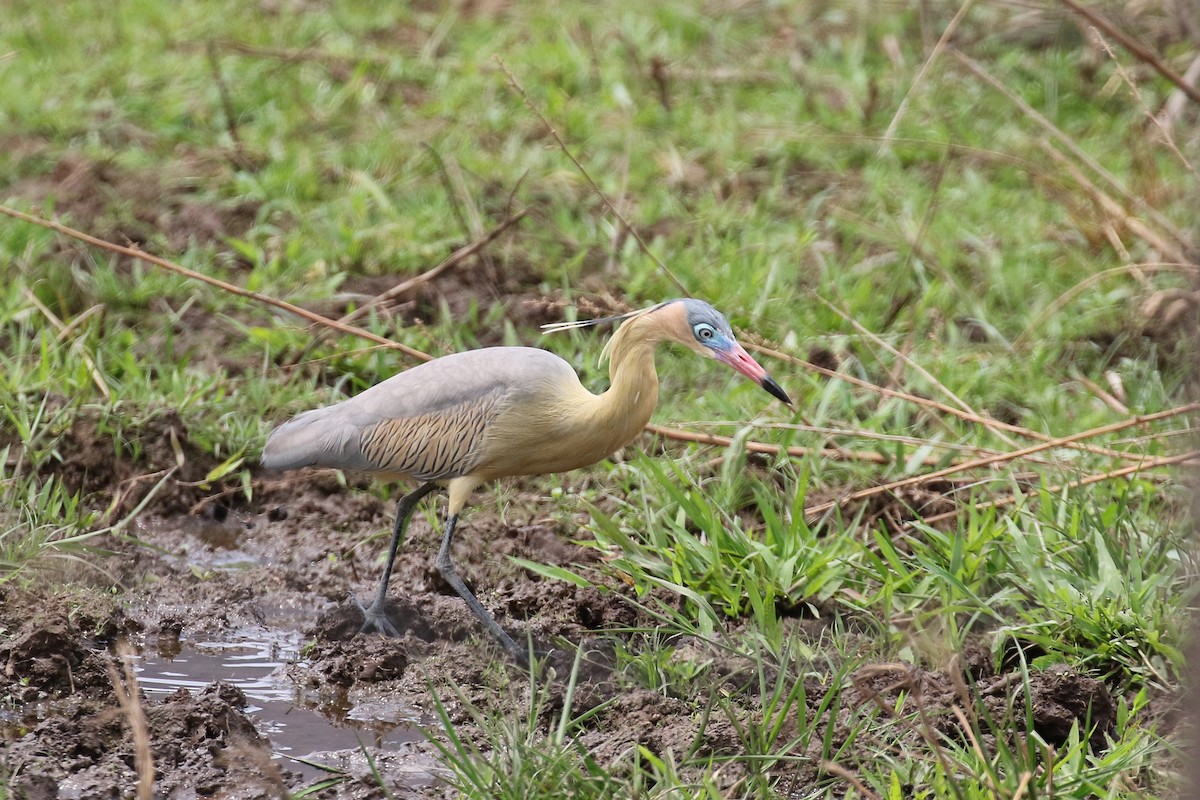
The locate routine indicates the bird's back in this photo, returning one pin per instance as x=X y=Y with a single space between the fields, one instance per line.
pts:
x=428 y=422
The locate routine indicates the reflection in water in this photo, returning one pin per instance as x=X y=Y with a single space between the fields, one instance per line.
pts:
x=297 y=724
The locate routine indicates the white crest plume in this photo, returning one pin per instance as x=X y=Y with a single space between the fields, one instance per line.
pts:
x=555 y=327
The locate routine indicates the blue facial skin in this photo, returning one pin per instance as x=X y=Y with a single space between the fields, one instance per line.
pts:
x=709 y=325
x=712 y=330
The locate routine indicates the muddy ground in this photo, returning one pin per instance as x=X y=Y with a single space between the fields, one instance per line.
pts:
x=206 y=565
x=203 y=564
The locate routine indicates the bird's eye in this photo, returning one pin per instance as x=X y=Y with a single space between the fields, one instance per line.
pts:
x=704 y=331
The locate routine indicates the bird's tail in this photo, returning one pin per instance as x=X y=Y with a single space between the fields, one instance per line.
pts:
x=310 y=440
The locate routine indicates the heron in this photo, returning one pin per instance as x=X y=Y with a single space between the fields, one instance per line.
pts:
x=467 y=418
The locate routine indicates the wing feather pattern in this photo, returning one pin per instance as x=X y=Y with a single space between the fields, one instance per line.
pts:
x=429 y=422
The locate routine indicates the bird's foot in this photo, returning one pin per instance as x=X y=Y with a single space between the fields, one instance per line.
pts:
x=527 y=658
x=375 y=619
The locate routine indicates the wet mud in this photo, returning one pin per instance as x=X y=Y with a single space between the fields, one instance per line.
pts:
x=233 y=622
x=240 y=625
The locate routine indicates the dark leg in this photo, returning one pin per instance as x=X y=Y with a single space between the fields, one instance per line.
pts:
x=446 y=568
x=375 y=616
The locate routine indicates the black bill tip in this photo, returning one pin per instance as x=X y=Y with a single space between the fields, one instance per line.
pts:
x=776 y=390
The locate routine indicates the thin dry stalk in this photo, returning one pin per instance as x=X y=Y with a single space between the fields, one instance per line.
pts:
x=465 y=206
x=718 y=75
x=128 y=486
x=454 y=259
x=1105 y=396
x=127 y=696
x=969 y=730
x=834 y=768
x=926 y=374
x=133 y=252
x=933 y=55
x=926 y=729
x=1140 y=51
x=1173 y=250
x=614 y=243
x=63 y=331
x=1168 y=139
x=1004 y=458
x=1070 y=294
x=448 y=187
x=308 y=54
x=912 y=441
x=520 y=90
x=933 y=404
x=1069 y=144
x=231 y=126
x=1000 y=502
x=95 y=311
x=1173 y=108
x=795 y=451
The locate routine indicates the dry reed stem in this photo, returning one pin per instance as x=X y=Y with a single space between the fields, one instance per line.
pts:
x=310 y=54
x=719 y=75
x=912 y=441
x=127 y=696
x=63 y=331
x=455 y=258
x=614 y=241
x=462 y=193
x=133 y=252
x=1173 y=108
x=1168 y=139
x=231 y=126
x=1150 y=463
x=877 y=340
x=934 y=404
x=969 y=731
x=520 y=90
x=1105 y=396
x=95 y=311
x=1069 y=144
x=933 y=55
x=834 y=768
x=794 y=451
x=1174 y=251
x=1139 y=50
x=1143 y=419
x=1077 y=289
x=449 y=188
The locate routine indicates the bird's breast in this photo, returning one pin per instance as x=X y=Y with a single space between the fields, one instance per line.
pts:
x=556 y=429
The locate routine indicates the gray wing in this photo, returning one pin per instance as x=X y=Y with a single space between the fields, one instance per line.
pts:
x=427 y=422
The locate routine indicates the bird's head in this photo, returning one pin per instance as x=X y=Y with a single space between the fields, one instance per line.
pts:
x=703 y=329
x=694 y=324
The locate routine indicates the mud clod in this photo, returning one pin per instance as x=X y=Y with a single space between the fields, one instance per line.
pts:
x=54 y=651
x=1062 y=699
x=202 y=743
x=363 y=659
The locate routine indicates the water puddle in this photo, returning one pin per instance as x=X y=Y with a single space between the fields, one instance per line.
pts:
x=304 y=727
x=299 y=726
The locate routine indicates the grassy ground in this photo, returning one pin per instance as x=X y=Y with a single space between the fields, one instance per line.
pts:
x=978 y=278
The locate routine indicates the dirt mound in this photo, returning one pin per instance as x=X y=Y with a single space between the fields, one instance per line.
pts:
x=158 y=443
x=138 y=207
x=200 y=745
x=1058 y=698
x=55 y=646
